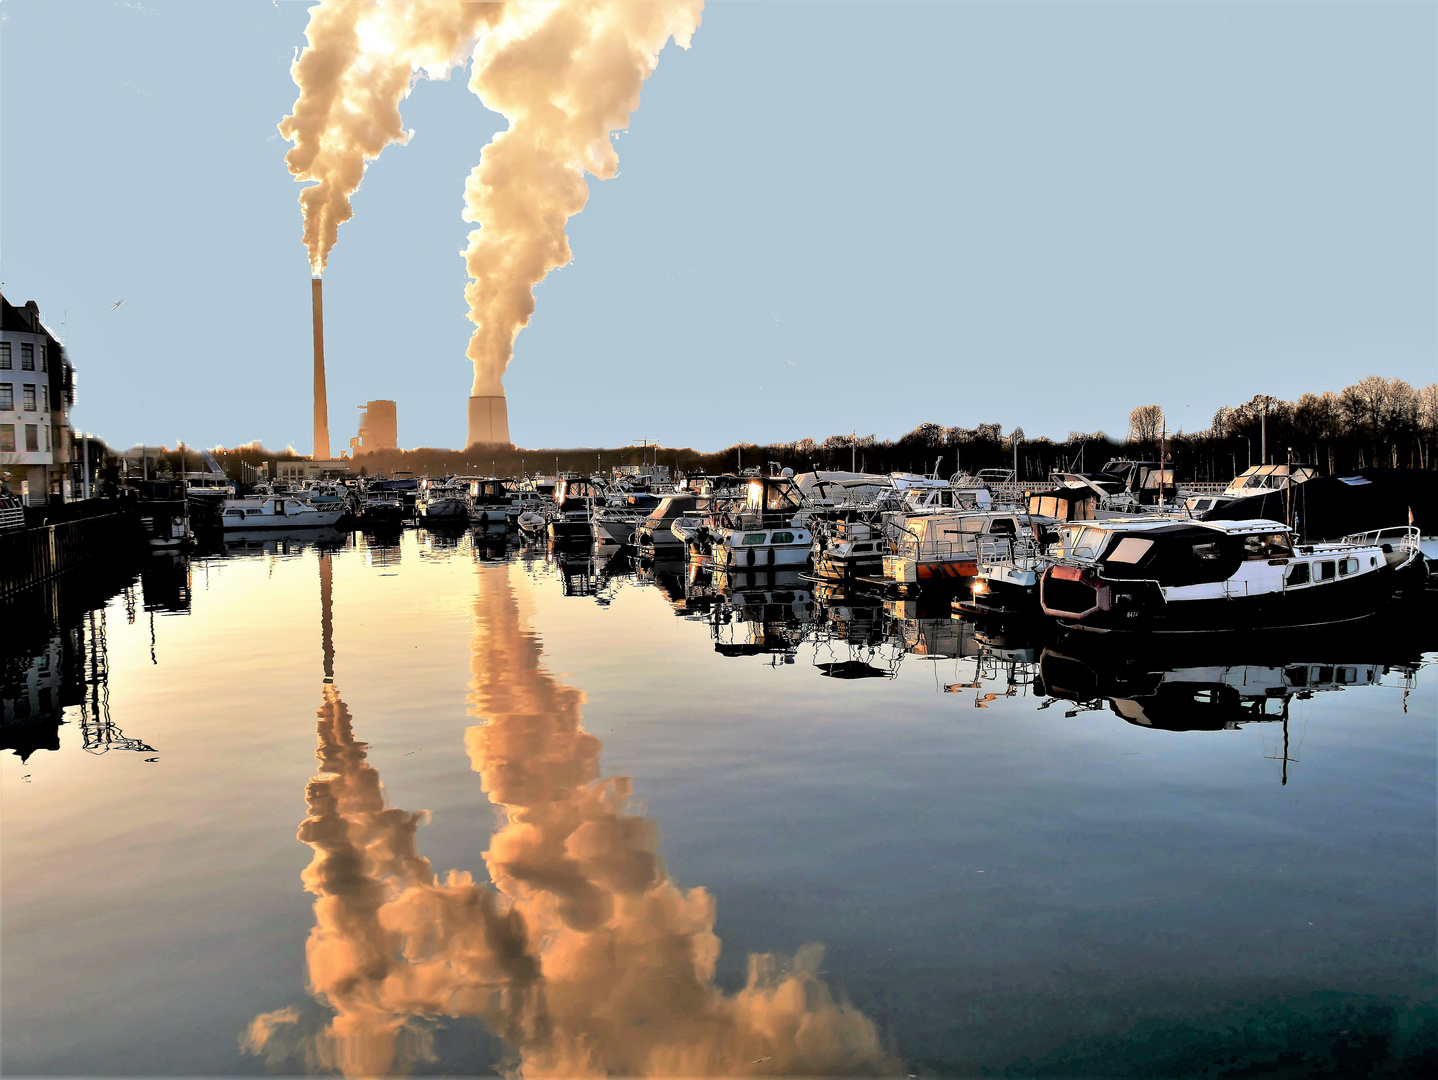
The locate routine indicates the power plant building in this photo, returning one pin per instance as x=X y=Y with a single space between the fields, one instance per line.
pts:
x=378 y=427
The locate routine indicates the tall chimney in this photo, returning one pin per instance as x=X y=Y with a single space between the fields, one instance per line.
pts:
x=488 y=420
x=322 y=412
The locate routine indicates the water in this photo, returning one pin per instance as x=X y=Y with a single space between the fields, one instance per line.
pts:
x=559 y=818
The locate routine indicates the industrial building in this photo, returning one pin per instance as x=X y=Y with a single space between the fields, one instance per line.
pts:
x=37 y=392
x=378 y=428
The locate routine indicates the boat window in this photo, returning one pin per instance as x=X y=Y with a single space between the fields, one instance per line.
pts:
x=1297 y=574
x=783 y=538
x=1086 y=543
x=862 y=547
x=1130 y=549
x=1326 y=571
x=754 y=538
x=1267 y=546
x=1002 y=525
x=1348 y=566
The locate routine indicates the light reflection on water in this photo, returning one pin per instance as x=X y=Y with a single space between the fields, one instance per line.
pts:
x=989 y=889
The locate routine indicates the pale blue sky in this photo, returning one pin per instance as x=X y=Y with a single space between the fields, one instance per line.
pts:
x=828 y=216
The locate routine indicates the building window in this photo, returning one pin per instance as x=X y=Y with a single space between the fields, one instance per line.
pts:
x=29 y=397
x=44 y=358
x=44 y=397
x=7 y=438
x=47 y=437
x=4 y=356
x=27 y=356
x=32 y=438
x=7 y=396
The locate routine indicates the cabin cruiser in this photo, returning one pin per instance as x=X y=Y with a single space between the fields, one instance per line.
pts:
x=1166 y=576
x=574 y=498
x=488 y=500
x=764 y=523
x=276 y=512
x=850 y=546
x=1006 y=579
x=929 y=548
x=164 y=512
x=443 y=502
x=657 y=529
x=1257 y=480
x=616 y=520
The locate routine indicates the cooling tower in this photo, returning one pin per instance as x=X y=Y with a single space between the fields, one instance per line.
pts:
x=322 y=410
x=488 y=420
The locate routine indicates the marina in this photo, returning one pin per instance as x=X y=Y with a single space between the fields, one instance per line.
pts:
x=940 y=833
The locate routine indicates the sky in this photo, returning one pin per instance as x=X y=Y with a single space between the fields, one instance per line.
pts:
x=828 y=217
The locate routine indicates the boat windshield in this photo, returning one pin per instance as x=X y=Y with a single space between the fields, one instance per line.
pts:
x=1086 y=543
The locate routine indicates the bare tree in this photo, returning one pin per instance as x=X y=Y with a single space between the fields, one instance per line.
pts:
x=1144 y=424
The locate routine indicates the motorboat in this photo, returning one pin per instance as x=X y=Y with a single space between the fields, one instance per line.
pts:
x=932 y=548
x=1167 y=576
x=850 y=546
x=1256 y=480
x=656 y=530
x=443 y=501
x=574 y=498
x=489 y=502
x=760 y=547
x=276 y=512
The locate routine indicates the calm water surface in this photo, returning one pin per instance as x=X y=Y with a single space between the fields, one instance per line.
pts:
x=435 y=806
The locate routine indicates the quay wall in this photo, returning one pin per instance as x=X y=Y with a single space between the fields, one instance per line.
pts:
x=31 y=556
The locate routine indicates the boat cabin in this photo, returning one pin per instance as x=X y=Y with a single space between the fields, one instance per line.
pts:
x=1065 y=504
x=1261 y=478
x=772 y=500
x=488 y=491
x=574 y=493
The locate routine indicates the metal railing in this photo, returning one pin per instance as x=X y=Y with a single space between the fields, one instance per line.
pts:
x=1401 y=537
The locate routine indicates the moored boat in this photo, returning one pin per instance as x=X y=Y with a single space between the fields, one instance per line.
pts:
x=276 y=512
x=1186 y=577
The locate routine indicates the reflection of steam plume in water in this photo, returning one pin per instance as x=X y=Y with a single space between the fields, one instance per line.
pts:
x=565 y=75
x=587 y=960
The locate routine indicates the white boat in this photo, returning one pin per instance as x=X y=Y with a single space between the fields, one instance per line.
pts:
x=441 y=501
x=761 y=547
x=276 y=512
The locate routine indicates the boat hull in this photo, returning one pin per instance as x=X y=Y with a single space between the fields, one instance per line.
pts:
x=1082 y=600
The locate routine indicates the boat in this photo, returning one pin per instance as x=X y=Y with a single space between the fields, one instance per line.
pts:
x=1256 y=480
x=276 y=512
x=1008 y=568
x=938 y=547
x=574 y=498
x=850 y=546
x=1164 y=576
x=488 y=500
x=760 y=547
x=656 y=530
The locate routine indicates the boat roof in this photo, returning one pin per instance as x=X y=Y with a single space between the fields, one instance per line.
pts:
x=1156 y=522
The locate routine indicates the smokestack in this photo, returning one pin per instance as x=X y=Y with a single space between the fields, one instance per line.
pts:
x=488 y=420
x=322 y=411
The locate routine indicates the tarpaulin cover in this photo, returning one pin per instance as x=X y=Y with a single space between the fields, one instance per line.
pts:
x=1330 y=507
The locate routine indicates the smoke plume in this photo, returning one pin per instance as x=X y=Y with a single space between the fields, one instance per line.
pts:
x=565 y=74
x=584 y=957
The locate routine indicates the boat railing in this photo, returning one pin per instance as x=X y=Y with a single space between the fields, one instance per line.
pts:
x=1021 y=553
x=1399 y=537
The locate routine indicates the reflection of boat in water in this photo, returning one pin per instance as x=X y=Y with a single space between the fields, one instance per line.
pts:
x=1223 y=693
x=278 y=542
x=583 y=956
